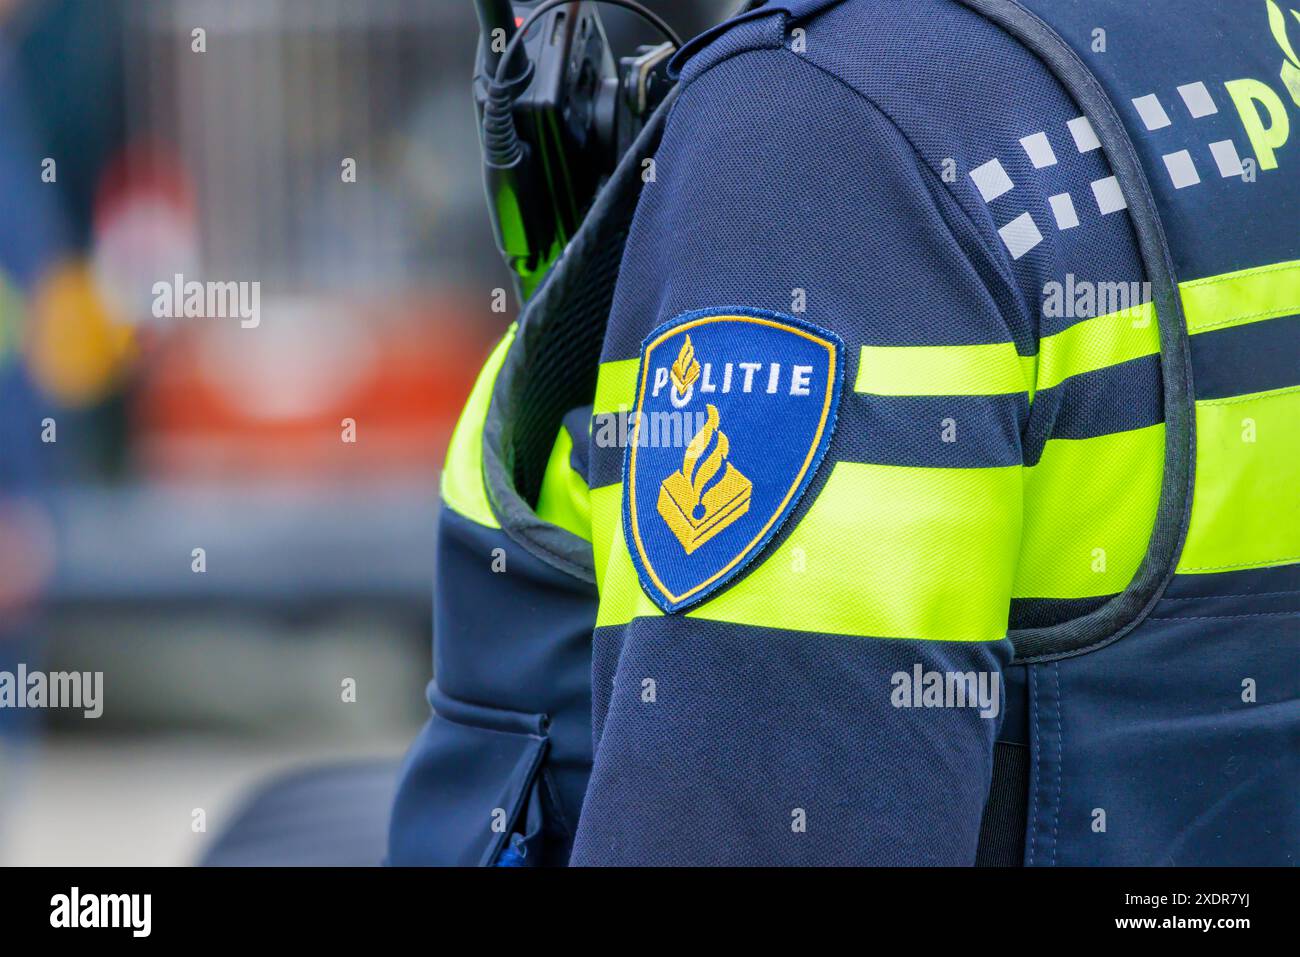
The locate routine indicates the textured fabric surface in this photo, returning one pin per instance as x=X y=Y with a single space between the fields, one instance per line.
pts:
x=907 y=176
x=770 y=747
x=853 y=173
x=818 y=178
x=512 y=660
x=1002 y=833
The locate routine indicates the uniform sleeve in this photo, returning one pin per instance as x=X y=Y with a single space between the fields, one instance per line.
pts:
x=838 y=702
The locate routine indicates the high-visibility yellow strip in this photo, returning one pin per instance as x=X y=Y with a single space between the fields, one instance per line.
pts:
x=621 y=595
x=885 y=552
x=615 y=386
x=462 y=471
x=564 y=499
x=1098 y=343
x=1090 y=505
x=997 y=369
x=991 y=369
x=1246 y=502
x=1246 y=506
x=1237 y=298
x=607 y=531
x=1249 y=295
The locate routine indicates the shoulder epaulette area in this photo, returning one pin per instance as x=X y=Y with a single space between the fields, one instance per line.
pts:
x=763 y=28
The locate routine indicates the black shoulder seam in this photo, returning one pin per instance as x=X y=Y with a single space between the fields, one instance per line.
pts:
x=1120 y=615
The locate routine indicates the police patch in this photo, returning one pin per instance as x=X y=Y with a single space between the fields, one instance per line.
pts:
x=734 y=411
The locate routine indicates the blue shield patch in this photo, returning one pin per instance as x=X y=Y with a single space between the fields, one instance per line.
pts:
x=734 y=411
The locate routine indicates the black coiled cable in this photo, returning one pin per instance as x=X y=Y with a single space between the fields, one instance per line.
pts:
x=501 y=144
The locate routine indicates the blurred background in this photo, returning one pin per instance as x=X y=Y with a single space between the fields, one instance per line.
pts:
x=128 y=441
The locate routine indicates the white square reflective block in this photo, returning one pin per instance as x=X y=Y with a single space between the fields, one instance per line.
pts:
x=1226 y=158
x=1039 y=150
x=1152 y=113
x=1109 y=197
x=1198 y=99
x=1085 y=137
x=1020 y=235
x=1182 y=171
x=1063 y=210
x=991 y=180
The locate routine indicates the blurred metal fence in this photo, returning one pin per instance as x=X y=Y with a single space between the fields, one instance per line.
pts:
x=285 y=92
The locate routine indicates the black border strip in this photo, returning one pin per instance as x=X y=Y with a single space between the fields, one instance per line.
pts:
x=1124 y=612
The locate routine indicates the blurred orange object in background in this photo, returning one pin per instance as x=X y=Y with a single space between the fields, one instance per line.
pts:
x=220 y=400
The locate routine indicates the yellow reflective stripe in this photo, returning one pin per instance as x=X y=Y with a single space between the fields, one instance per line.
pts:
x=564 y=499
x=997 y=369
x=1237 y=298
x=1250 y=295
x=615 y=386
x=1246 y=506
x=462 y=471
x=1098 y=343
x=1246 y=501
x=621 y=596
x=1090 y=505
x=606 y=530
x=990 y=369
x=884 y=552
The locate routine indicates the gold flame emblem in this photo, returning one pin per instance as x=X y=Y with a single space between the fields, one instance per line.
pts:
x=703 y=497
x=686 y=369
